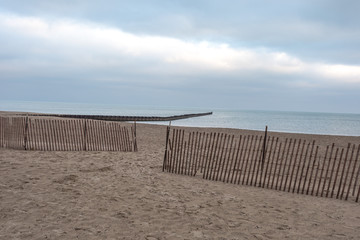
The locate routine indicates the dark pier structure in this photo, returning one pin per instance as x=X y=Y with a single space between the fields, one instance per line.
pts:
x=125 y=118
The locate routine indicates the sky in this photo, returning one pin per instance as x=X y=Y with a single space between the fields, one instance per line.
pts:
x=294 y=55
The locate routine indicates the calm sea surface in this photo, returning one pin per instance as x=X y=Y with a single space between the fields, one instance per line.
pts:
x=296 y=122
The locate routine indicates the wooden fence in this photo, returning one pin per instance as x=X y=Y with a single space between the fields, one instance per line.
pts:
x=45 y=134
x=291 y=165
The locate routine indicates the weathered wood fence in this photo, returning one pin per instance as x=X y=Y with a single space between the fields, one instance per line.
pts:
x=46 y=134
x=291 y=165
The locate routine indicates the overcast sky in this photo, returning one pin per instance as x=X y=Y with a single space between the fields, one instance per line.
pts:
x=262 y=55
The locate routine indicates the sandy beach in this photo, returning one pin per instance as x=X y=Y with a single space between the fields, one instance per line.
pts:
x=118 y=195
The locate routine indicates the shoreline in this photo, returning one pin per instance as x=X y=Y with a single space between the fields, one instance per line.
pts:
x=223 y=129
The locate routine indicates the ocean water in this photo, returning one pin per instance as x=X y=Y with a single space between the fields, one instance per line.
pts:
x=279 y=121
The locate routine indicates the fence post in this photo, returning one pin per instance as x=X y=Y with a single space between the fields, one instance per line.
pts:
x=166 y=147
x=135 y=141
x=264 y=149
x=26 y=132
x=85 y=133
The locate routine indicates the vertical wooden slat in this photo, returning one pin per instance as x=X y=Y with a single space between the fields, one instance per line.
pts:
x=290 y=165
x=80 y=130
x=103 y=136
x=35 y=132
x=220 y=163
x=327 y=170
x=43 y=140
x=251 y=160
x=57 y=124
x=29 y=136
x=358 y=194
x=259 y=167
x=337 y=172
x=231 y=150
x=172 y=146
x=343 y=170
x=67 y=135
x=299 y=166
x=166 y=148
x=308 y=167
x=292 y=177
x=177 y=150
x=114 y=137
x=277 y=161
x=75 y=137
x=187 y=161
x=209 y=154
x=311 y=172
x=129 y=140
x=171 y=149
x=118 y=136
x=174 y=149
x=214 y=156
x=347 y=172
x=101 y=139
x=198 y=153
x=61 y=124
x=125 y=139
x=357 y=175
x=97 y=140
x=284 y=167
x=242 y=159
x=257 y=163
x=128 y=145
x=71 y=135
x=193 y=155
x=49 y=130
x=89 y=141
x=111 y=137
x=239 y=159
x=322 y=170
x=332 y=172
x=219 y=157
x=43 y=135
x=106 y=135
x=94 y=136
x=303 y=167
x=234 y=161
x=108 y=139
x=247 y=157
x=181 y=150
x=55 y=135
x=271 y=160
x=203 y=152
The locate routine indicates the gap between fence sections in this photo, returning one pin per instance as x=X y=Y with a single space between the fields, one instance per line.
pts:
x=42 y=134
x=290 y=165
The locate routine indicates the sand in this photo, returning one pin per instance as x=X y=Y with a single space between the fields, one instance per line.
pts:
x=116 y=195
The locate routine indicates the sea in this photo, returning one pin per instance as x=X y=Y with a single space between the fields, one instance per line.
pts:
x=345 y=124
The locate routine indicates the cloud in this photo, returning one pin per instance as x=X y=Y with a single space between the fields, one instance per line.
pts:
x=110 y=53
